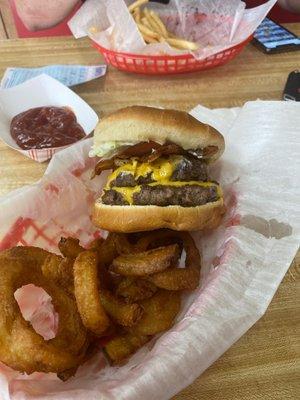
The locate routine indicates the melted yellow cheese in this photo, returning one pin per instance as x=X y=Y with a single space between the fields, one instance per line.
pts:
x=127 y=192
x=128 y=167
x=161 y=169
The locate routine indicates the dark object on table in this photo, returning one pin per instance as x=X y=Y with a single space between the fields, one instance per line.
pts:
x=45 y=127
x=274 y=38
x=292 y=87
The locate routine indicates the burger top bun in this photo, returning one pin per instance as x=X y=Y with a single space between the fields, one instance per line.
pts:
x=140 y=124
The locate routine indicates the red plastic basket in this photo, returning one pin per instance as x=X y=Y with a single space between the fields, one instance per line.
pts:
x=162 y=65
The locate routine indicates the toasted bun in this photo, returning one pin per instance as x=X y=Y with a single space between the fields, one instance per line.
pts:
x=138 y=124
x=147 y=218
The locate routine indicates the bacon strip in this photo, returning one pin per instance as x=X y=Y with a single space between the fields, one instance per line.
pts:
x=145 y=151
x=164 y=150
x=103 y=165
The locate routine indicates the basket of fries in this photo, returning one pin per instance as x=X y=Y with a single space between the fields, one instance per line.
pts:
x=169 y=52
x=164 y=64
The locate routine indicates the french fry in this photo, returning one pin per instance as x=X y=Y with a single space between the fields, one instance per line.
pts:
x=93 y=29
x=147 y=31
x=149 y=39
x=159 y=22
x=154 y=30
x=171 y=35
x=145 y=22
x=137 y=15
x=182 y=44
x=136 y=4
x=151 y=21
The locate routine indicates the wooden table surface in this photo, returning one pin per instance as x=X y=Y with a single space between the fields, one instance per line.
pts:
x=264 y=363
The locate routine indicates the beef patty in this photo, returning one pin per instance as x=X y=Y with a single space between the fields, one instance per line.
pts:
x=164 y=195
x=187 y=169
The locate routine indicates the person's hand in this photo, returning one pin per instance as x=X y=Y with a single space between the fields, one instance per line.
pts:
x=290 y=5
x=43 y=14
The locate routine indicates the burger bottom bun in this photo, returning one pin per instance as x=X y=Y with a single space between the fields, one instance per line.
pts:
x=146 y=218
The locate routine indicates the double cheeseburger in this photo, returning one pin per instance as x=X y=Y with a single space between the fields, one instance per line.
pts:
x=159 y=161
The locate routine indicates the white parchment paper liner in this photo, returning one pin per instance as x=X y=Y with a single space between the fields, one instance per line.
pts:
x=223 y=24
x=244 y=260
x=38 y=92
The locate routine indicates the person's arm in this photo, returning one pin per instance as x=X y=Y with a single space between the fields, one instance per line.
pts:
x=43 y=14
x=290 y=5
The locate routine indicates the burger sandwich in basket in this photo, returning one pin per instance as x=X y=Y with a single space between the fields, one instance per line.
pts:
x=159 y=161
x=118 y=293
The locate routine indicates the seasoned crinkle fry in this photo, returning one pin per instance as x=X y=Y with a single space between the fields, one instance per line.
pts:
x=154 y=30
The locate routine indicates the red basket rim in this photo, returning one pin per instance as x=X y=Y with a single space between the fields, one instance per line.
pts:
x=161 y=57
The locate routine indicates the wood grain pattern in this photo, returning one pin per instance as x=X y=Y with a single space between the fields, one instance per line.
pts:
x=3 y=34
x=264 y=363
x=8 y=20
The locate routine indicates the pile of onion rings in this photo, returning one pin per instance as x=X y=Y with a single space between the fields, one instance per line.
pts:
x=125 y=288
x=21 y=347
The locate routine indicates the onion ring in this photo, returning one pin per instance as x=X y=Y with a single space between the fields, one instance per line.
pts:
x=70 y=247
x=159 y=313
x=59 y=270
x=122 y=313
x=181 y=278
x=123 y=246
x=135 y=289
x=147 y=262
x=107 y=250
x=122 y=346
x=96 y=243
x=86 y=289
x=158 y=238
x=21 y=347
x=175 y=278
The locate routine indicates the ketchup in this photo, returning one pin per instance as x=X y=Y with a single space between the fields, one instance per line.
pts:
x=45 y=127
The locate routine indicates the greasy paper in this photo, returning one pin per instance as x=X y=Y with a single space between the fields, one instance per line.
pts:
x=244 y=260
x=40 y=91
x=215 y=25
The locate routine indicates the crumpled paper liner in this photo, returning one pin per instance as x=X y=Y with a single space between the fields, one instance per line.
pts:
x=41 y=91
x=216 y=25
x=244 y=260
